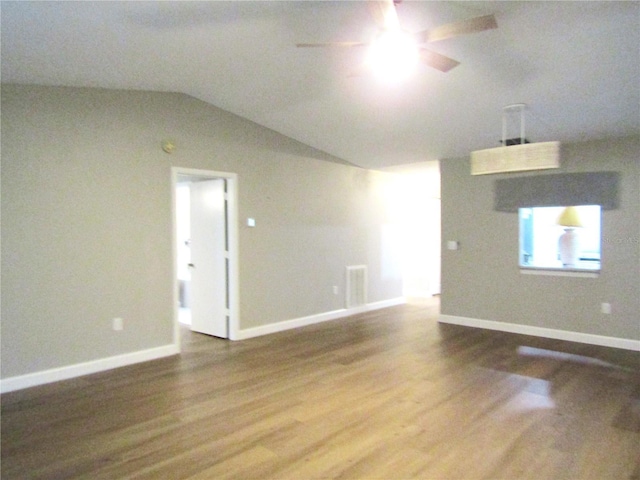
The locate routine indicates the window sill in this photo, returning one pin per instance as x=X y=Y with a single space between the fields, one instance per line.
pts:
x=561 y=272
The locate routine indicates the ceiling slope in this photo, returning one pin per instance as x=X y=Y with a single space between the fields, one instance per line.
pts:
x=575 y=64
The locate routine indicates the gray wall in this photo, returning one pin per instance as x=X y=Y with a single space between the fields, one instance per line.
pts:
x=86 y=221
x=482 y=280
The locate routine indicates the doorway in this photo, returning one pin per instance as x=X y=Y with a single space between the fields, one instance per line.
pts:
x=415 y=203
x=205 y=268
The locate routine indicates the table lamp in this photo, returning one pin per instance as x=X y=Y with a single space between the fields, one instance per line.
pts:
x=568 y=242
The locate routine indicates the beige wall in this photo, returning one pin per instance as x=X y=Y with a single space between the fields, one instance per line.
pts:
x=86 y=221
x=482 y=280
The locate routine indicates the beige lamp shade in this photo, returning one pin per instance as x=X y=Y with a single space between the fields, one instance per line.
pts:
x=570 y=218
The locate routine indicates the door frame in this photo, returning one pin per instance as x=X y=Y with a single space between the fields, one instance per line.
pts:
x=232 y=232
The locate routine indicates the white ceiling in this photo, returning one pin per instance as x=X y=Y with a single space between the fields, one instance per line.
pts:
x=575 y=64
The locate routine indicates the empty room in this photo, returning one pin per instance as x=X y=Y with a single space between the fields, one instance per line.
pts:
x=320 y=239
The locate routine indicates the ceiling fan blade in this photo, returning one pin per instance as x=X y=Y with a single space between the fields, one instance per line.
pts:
x=437 y=60
x=473 y=25
x=331 y=44
x=385 y=15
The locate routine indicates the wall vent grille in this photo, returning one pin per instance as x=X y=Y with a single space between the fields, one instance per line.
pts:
x=356 y=286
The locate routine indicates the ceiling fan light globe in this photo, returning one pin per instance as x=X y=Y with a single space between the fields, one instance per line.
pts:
x=393 y=55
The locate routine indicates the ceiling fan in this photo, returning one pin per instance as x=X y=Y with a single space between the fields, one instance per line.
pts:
x=385 y=15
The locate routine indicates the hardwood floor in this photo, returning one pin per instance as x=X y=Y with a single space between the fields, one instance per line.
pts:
x=389 y=394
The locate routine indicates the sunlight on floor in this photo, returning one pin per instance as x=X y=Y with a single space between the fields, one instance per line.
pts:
x=569 y=357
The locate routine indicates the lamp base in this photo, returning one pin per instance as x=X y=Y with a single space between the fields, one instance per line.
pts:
x=568 y=247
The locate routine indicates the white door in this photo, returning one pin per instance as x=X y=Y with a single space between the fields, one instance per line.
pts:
x=209 y=312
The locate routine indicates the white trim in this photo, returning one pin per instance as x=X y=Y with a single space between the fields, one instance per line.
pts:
x=71 y=371
x=232 y=230
x=313 y=319
x=560 y=273
x=615 y=342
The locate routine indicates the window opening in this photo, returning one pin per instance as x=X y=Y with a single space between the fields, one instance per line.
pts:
x=565 y=237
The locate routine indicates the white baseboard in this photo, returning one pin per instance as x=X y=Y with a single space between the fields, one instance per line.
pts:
x=63 y=373
x=588 y=338
x=312 y=319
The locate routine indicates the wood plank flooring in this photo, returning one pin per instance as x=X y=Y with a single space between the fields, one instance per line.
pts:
x=389 y=394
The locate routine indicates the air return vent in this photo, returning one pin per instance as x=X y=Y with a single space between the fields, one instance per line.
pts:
x=356 y=286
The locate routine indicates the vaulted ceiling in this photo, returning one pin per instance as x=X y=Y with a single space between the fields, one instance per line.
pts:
x=576 y=65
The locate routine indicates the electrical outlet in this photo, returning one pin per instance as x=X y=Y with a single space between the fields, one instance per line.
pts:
x=118 y=324
x=335 y=290
x=605 y=308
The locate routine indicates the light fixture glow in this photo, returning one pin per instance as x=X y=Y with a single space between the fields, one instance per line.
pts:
x=393 y=55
